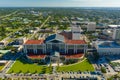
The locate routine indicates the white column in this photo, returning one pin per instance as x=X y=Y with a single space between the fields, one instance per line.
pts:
x=51 y=45
x=34 y=49
x=74 y=49
x=45 y=48
x=42 y=48
x=85 y=48
x=25 y=49
x=65 y=48
x=59 y=45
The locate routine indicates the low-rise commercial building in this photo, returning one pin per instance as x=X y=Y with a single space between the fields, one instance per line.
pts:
x=107 y=47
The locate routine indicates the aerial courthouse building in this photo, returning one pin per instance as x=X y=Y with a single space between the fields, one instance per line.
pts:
x=67 y=44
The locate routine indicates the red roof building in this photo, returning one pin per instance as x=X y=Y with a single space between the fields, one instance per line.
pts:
x=36 y=56
x=56 y=42
x=34 y=42
x=75 y=42
x=74 y=56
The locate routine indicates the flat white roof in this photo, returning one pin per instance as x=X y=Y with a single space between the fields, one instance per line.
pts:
x=3 y=61
x=114 y=26
x=92 y=23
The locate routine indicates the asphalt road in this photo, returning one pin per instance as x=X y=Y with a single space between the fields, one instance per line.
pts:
x=10 y=63
x=36 y=31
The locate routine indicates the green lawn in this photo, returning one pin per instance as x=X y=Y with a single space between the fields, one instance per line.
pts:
x=81 y=66
x=20 y=67
x=1 y=67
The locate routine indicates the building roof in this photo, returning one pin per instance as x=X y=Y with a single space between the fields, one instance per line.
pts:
x=34 y=42
x=76 y=28
x=67 y=35
x=108 y=44
x=75 y=42
x=36 y=56
x=113 y=26
x=55 y=37
x=79 y=55
x=3 y=61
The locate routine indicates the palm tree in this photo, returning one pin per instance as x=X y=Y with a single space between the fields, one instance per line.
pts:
x=58 y=64
x=50 y=65
x=2 y=33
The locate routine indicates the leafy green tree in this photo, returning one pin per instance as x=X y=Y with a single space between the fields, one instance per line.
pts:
x=13 y=50
x=2 y=30
x=96 y=55
x=103 y=70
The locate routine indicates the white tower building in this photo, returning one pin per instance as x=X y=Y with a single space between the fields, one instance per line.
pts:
x=116 y=34
x=91 y=26
x=76 y=32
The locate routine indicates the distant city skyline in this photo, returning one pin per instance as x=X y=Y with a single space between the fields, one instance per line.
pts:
x=59 y=3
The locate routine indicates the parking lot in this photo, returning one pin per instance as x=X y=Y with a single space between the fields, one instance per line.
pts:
x=102 y=62
x=59 y=76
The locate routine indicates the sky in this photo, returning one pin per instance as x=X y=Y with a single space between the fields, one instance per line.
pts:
x=59 y=3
